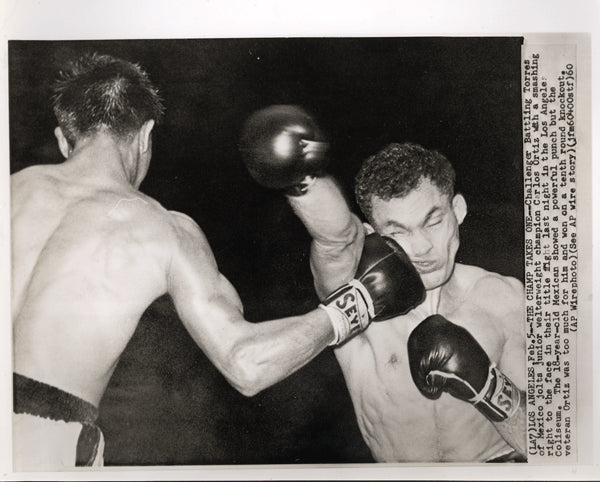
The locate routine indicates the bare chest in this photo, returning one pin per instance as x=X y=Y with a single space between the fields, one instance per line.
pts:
x=396 y=420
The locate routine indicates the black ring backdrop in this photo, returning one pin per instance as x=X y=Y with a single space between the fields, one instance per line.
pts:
x=166 y=403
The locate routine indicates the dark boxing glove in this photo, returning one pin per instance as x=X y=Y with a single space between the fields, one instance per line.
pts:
x=444 y=357
x=283 y=148
x=386 y=285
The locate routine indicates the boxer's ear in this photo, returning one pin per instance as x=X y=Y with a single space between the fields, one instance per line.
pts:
x=459 y=206
x=63 y=144
x=145 y=141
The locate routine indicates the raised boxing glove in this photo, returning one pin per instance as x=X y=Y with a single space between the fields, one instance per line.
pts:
x=444 y=357
x=283 y=148
x=386 y=285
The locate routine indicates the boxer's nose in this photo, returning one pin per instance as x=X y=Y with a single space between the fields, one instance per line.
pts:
x=419 y=245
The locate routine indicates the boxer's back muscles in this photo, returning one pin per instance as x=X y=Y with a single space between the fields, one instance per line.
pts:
x=89 y=256
x=397 y=421
x=91 y=253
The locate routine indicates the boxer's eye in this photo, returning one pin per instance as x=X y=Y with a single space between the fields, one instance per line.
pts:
x=434 y=221
x=401 y=232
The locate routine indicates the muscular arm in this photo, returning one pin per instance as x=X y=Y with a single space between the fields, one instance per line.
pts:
x=251 y=356
x=338 y=234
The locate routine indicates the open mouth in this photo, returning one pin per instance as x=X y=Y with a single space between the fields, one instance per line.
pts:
x=424 y=267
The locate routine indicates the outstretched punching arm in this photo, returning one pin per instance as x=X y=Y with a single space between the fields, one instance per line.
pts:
x=253 y=356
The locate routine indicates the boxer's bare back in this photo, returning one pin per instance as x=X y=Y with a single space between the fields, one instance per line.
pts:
x=396 y=421
x=80 y=285
x=91 y=252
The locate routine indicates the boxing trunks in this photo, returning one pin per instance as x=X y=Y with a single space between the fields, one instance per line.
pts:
x=53 y=429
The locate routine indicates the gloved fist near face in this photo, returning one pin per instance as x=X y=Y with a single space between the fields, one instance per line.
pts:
x=386 y=285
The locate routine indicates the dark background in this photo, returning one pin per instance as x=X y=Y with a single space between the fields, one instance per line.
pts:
x=166 y=403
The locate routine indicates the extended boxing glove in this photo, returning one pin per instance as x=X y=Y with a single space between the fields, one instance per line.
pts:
x=283 y=148
x=444 y=357
x=386 y=285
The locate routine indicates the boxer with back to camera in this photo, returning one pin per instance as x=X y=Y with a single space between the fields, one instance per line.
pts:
x=442 y=382
x=90 y=253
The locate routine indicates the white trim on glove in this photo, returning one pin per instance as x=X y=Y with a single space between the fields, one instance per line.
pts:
x=350 y=310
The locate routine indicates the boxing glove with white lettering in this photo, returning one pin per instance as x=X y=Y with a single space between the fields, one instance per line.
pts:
x=386 y=285
x=444 y=357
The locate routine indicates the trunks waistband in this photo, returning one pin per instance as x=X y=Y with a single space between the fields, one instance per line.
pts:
x=43 y=400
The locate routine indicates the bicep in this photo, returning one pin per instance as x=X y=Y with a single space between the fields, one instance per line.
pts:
x=207 y=304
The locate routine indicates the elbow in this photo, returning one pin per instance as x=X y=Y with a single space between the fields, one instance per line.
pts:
x=247 y=391
x=244 y=374
x=245 y=386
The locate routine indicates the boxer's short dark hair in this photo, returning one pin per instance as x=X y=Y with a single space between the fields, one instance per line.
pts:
x=398 y=169
x=98 y=91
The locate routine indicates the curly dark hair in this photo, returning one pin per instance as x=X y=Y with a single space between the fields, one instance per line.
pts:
x=97 y=91
x=398 y=169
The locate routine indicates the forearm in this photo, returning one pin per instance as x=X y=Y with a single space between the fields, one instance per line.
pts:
x=337 y=233
x=272 y=350
x=513 y=429
x=324 y=211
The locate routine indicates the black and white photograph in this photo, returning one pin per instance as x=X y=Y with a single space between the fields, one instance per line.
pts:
x=299 y=251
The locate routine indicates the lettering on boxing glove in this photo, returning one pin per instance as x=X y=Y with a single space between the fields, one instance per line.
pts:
x=350 y=309
x=444 y=357
x=501 y=399
x=386 y=285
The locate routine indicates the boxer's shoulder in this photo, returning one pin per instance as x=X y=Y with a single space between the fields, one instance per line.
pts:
x=479 y=283
x=188 y=235
x=501 y=297
x=183 y=225
x=30 y=172
x=497 y=290
x=182 y=220
x=32 y=179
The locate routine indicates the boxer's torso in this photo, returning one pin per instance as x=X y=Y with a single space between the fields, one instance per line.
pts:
x=88 y=258
x=397 y=422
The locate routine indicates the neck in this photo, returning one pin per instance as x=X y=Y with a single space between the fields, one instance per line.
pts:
x=431 y=304
x=437 y=299
x=101 y=158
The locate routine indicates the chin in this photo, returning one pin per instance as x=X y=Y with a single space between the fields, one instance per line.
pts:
x=434 y=280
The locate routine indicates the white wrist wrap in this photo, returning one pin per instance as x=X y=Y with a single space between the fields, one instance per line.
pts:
x=350 y=309
x=500 y=403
